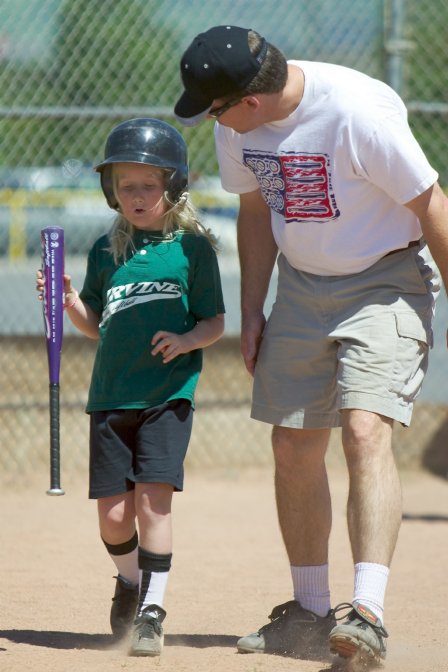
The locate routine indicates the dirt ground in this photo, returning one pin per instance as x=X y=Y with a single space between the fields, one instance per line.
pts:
x=229 y=570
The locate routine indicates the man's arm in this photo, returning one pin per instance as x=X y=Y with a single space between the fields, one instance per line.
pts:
x=431 y=208
x=257 y=252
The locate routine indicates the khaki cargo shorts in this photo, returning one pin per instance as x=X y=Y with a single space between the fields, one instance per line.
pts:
x=357 y=341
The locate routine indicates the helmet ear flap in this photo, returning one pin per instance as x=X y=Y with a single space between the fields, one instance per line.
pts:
x=177 y=183
x=107 y=186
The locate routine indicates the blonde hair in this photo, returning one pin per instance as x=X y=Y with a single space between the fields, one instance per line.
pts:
x=180 y=216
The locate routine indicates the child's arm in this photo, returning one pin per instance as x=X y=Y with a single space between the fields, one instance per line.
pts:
x=206 y=332
x=80 y=314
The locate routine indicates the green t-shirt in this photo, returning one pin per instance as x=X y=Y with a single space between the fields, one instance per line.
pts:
x=169 y=283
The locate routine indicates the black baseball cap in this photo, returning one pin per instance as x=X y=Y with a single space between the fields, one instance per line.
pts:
x=216 y=63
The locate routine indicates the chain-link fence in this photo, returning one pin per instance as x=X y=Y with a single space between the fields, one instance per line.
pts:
x=69 y=72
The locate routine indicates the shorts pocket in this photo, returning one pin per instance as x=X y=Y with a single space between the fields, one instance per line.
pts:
x=411 y=356
x=409 y=325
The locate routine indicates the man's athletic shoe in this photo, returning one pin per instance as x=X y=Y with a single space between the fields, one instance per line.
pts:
x=293 y=631
x=147 y=638
x=124 y=606
x=361 y=635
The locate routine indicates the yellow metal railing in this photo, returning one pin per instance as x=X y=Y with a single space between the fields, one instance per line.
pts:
x=19 y=200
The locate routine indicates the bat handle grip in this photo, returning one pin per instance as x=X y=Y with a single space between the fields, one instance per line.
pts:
x=55 y=477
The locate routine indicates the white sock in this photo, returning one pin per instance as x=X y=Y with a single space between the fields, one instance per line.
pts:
x=154 y=570
x=125 y=558
x=152 y=588
x=127 y=566
x=370 y=586
x=311 y=588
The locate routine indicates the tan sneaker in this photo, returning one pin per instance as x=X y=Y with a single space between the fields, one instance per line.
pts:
x=147 y=638
x=361 y=635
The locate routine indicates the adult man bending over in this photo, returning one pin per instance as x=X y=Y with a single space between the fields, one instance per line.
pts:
x=334 y=186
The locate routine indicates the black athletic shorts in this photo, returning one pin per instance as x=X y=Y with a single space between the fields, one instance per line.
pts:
x=138 y=446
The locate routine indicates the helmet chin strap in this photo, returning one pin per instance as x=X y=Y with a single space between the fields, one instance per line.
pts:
x=183 y=198
x=180 y=201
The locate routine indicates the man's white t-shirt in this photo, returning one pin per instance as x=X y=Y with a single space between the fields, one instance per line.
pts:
x=335 y=173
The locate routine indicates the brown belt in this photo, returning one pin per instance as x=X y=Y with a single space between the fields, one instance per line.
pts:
x=413 y=243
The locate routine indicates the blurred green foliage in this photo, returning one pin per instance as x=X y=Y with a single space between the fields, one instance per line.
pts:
x=117 y=54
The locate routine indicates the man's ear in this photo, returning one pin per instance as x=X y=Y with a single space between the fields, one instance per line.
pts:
x=252 y=102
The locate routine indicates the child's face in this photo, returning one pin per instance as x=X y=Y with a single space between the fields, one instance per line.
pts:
x=140 y=191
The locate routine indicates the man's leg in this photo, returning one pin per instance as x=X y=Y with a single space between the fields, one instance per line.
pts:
x=300 y=627
x=302 y=493
x=374 y=501
x=374 y=518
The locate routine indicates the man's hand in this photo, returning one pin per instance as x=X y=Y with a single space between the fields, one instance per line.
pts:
x=251 y=335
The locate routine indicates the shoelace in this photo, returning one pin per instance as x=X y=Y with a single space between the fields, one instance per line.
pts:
x=148 y=627
x=278 y=612
x=344 y=606
x=351 y=613
x=282 y=610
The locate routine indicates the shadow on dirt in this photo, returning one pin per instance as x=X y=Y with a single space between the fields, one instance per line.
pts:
x=426 y=517
x=201 y=641
x=58 y=640
x=79 y=640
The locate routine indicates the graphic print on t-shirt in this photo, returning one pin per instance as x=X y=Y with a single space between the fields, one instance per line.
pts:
x=123 y=297
x=297 y=186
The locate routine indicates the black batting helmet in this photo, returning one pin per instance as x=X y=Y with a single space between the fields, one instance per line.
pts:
x=149 y=141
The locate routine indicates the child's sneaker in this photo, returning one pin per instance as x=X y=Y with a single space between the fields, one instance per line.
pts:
x=124 y=606
x=147 y=638
x=361 y=635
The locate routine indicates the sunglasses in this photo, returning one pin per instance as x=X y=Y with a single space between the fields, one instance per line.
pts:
x=216 y=112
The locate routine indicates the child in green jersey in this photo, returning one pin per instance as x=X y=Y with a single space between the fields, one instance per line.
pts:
x=152 y=297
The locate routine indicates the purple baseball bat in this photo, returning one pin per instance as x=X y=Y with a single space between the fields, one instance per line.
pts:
x=52 y=243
